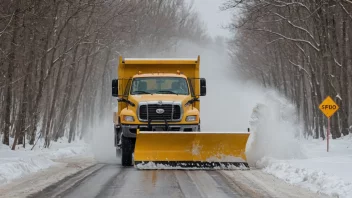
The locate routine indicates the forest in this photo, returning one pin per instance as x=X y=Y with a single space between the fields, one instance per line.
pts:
x=301 y=48
x=58 y=58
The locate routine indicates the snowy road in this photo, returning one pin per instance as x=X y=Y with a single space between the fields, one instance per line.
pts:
x=108 y=180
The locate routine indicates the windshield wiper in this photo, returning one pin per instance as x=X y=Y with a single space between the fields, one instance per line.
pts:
x=170 y=92
x=141 y=92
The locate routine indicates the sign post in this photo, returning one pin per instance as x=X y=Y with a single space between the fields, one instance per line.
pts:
x=328 y=107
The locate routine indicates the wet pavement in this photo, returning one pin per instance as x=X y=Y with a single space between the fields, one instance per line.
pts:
x=107 y=180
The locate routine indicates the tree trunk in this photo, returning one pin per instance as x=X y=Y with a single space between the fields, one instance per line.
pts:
x=10 y=73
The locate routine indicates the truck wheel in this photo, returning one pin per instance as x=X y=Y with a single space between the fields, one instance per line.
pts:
x=126 y=151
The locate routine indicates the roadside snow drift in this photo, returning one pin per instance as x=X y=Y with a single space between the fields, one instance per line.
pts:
x=22 y=162
x=328 y=173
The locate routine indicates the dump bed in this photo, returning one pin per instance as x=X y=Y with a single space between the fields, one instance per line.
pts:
x=128 y=67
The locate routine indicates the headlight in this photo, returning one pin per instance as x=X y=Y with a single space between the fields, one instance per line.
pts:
x=191 y=118
x=129 y=119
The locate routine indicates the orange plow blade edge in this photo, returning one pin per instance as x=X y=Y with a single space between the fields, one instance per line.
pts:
x=187 y=150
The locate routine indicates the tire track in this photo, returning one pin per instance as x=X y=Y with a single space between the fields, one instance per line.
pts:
x=113 y=185
x=208 y=187
x=223 y=183
x=248 y=187
x=186 y=184
x=259 y=184
x=68 y=183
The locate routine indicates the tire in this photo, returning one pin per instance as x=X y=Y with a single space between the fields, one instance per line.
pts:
x=126 y=151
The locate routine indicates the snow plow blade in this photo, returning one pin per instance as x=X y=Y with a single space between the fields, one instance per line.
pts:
x=190 y=150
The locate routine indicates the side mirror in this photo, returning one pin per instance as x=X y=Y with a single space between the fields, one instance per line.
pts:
x=203 y=87
x=115 y=87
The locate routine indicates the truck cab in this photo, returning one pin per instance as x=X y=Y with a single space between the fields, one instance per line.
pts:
x=155 y=98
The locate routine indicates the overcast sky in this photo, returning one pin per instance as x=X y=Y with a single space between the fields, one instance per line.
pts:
x=212 y=16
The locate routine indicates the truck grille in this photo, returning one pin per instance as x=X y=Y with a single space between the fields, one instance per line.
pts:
x=148 y=111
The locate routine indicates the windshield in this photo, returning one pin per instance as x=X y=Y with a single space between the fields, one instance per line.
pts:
x=160 y=85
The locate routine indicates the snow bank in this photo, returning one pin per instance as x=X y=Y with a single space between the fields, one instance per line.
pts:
x=16 y=167
x=321 y=171
x=23 y=161
x=314 y=180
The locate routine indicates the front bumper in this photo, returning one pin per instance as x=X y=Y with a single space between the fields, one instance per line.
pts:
x=131 y=130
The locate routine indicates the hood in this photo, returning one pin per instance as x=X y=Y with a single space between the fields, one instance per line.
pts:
x=157 y=97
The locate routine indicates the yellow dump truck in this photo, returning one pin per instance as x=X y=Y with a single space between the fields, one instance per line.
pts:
x=158 y=118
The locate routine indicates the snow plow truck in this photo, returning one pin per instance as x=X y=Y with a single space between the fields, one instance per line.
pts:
x=158 y=123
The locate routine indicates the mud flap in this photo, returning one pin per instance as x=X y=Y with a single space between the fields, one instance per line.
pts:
x=180 y=150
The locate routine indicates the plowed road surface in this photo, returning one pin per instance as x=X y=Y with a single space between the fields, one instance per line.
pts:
x=113 y=180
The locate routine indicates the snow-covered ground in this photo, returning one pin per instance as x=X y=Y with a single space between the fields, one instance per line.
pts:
x=320 y=171
x=24 y=161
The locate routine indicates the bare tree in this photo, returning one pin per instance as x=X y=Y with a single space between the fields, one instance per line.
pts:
x=301 y=49
x=57 y=59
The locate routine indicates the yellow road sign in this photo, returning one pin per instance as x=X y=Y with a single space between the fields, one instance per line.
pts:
x=328 y=107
